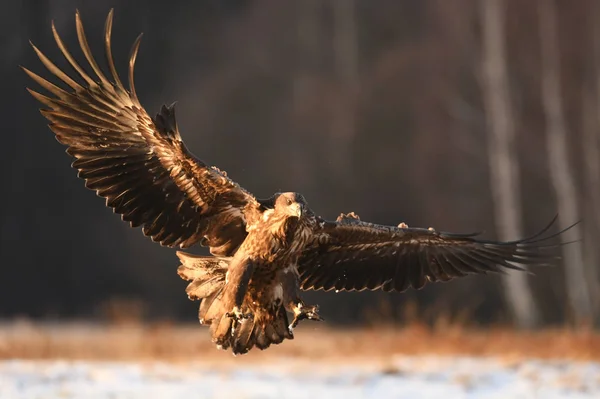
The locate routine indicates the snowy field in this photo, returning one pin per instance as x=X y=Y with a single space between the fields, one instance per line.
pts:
x=398 y=377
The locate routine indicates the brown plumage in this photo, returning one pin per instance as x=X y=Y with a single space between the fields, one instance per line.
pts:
x=264 y=251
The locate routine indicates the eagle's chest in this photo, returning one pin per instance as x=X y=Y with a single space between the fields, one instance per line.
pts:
x=278 y=243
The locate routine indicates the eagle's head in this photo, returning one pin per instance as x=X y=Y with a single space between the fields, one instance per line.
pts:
x=292 y=204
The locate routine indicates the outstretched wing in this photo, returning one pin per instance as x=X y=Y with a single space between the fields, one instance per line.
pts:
x=139 y=164
x=353 y=255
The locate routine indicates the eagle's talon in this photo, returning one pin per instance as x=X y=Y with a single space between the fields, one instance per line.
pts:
x=237 y=314
x=303 y=312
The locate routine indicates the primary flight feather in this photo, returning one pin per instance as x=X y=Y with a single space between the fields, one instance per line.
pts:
x=265 y=251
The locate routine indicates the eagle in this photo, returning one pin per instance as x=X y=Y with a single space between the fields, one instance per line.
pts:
x=263 y=252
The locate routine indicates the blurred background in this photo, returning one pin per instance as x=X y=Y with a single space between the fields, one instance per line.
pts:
x=466 y=115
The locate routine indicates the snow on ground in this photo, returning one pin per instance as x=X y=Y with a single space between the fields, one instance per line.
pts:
x=399 y=377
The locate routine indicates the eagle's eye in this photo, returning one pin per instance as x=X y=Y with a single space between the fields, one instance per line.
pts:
x=289 y=201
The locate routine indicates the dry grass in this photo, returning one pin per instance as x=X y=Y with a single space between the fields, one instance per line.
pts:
x=191 y=342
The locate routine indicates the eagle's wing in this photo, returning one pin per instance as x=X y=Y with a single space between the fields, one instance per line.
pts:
x=353 y=255
x=138 y=163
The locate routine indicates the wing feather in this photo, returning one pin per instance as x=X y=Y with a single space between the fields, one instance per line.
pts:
x=353 y=255
x=137 y=163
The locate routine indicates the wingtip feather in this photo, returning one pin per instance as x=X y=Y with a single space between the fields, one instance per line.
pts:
x=87 y=52
x=108 y=50
x=132 y=57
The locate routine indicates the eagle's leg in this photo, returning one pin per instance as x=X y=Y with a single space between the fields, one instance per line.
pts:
x=292 y=301
x=236 y=286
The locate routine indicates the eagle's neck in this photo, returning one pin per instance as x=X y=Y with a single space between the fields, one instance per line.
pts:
x=293 y=233
x=285 y=236
x=281 y=226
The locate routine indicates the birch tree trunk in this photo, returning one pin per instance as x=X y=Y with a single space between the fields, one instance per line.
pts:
x=591 y=145
x=503 y=162
x=560 y=169
x=591 y=106
x=591 y=154
x=345 y=50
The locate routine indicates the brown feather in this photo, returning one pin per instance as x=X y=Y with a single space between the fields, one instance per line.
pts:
x=139 y=164
x=353 y=255
x=199 y=289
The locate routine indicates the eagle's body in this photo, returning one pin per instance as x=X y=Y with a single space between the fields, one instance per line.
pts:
x=264 y=252
x=261 y=281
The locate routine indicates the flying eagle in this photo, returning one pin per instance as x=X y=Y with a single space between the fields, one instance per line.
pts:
x=264 y=252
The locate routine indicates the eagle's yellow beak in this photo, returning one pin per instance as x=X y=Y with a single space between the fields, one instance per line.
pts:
x=296 y=209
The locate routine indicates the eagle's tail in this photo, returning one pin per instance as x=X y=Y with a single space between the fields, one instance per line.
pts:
x=206 y=275
x=207 y=280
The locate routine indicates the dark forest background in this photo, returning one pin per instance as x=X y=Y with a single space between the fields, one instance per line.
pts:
x=377 y=107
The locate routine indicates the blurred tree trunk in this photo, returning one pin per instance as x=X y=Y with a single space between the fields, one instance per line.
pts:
x=591 y=146
x=561 y=173
x=591 y=156
x=345 y=49
x=505 y=184
x=591 y=106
